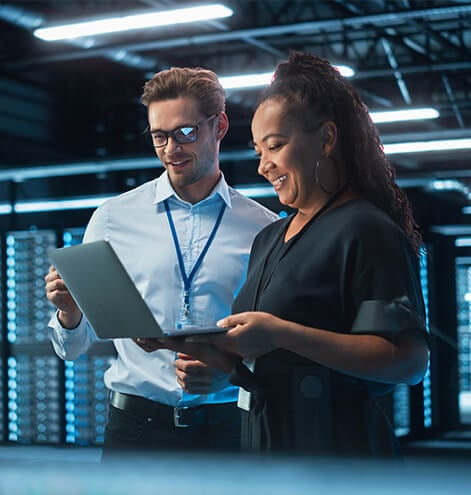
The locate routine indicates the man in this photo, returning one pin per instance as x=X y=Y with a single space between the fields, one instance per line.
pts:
x=185 y=239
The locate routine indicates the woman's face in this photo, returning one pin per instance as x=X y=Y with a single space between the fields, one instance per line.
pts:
x=288 y=153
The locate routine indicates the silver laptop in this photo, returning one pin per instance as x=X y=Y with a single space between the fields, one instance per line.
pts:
x=106 y=294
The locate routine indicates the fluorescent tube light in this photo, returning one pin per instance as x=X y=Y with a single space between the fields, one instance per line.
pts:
x=264 y=78
x=464 y=242
x=54 y=205
x=92 y=202
x=246 y=81
x=258 y=191
x=137 y=21
x=450 y=185
x=345 y=70
x=427 y=146
x=5 y=209
x=79 y=203
x=447 y=185
x=404 y=115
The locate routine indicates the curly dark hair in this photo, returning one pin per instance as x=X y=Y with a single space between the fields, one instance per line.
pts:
x=317 y=92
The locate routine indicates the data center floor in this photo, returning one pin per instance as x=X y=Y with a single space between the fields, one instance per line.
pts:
x=42 y=470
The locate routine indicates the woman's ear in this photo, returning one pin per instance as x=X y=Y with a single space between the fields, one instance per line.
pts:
x=328 y=137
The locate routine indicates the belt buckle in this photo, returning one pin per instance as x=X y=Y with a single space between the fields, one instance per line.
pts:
x=177 y=417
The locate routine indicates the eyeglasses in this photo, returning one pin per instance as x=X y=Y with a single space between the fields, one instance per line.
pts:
x=181 y=135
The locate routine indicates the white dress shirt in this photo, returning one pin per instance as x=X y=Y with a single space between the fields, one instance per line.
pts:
x=136 y=225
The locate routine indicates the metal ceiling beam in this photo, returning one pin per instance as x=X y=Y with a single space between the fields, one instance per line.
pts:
x=98 y=166
x=23 y=18
x=397 y=73
x=221 y=26
x=425 y=136
x=104 y=166
x=20 y=17
x=387 y=19
x=451 y=97
x=414 y=69
x=28 y=20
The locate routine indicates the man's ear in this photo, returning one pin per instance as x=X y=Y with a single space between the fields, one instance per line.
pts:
x=223 y=125
x=328 y=137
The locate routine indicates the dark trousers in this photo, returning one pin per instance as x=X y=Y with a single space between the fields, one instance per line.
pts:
x=143 y=426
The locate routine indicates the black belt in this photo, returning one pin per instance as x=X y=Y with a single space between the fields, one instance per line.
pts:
x=181 y=417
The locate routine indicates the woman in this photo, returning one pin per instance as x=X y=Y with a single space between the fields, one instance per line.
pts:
x=320 y=354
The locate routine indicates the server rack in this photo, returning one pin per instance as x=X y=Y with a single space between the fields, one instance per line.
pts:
x=44 y=400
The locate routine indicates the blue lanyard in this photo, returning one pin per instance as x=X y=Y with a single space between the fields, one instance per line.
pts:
x=187 y=279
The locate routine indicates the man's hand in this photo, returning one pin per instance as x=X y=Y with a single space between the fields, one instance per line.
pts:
x=58 y=294
x=200 y=368
x=196 y=377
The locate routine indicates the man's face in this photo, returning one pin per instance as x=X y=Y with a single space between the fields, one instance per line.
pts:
x=192 y=167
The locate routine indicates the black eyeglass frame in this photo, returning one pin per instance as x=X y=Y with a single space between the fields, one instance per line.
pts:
x=181 y=138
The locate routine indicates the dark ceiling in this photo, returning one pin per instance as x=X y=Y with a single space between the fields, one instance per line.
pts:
x=62 y=103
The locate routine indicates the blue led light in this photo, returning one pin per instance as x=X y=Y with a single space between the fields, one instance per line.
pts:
x=67 y=238
x=69 y=395
x=70 y=417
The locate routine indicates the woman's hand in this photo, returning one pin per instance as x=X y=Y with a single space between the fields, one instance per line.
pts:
x=250 y=335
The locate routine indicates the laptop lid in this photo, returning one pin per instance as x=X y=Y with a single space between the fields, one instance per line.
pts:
x=106 y=294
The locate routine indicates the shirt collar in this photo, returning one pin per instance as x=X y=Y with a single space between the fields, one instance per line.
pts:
x=164 y=190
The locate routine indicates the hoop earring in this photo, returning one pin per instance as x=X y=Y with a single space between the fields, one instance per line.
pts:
x=317 y=178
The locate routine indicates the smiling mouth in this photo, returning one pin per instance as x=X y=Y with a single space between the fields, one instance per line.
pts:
x=177 y=164
x=277 y=182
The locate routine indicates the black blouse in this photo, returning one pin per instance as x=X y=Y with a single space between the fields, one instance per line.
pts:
x=350 y=254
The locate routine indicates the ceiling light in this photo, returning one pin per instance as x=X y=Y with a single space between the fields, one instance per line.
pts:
x=137 y=21
x=256 y=191
x=404 y=115
x=92 y=202
x=59 y=204
x=264 y=79
x=246 y=81
x=345 y=70
x=426 y=146
x=449 y=185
